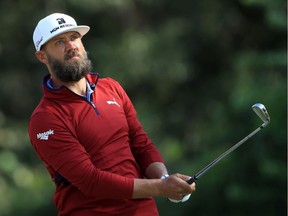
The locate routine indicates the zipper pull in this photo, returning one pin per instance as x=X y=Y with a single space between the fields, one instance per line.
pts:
x=95 y=109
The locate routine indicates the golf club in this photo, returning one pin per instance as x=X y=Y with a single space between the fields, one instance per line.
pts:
x=261 y=111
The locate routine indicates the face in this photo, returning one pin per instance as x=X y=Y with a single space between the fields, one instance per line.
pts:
x=66 y=57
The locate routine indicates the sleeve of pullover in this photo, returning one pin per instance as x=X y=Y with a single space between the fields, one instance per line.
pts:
x=59 y=149
x=144 y=150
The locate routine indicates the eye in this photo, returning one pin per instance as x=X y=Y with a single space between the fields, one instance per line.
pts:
x=60 y=42
x=74 y=37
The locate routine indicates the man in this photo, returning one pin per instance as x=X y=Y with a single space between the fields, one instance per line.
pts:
x=86 y=132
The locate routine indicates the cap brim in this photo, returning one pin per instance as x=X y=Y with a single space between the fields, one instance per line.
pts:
x=82 y=30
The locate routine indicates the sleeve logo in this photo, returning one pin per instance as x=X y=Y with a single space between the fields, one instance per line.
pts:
x=45 y=135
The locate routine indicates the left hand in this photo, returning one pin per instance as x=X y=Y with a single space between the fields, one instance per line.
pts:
x=184 y=199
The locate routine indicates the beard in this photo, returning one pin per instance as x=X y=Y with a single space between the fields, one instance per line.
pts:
x=73 y=70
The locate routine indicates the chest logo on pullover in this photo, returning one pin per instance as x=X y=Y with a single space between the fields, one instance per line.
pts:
x=113 y=102
x=45 y=135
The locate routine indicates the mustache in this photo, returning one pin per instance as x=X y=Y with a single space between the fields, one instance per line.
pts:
x=71 y=54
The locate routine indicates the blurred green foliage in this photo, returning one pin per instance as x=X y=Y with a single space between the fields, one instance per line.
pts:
x=192 y=69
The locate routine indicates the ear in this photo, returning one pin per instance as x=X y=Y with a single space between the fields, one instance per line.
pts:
x=41 y=56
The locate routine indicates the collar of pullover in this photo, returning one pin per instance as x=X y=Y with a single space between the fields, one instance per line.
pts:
x=63 y=92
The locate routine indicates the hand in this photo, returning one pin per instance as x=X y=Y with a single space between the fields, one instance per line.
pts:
x=184 y=199
x=179 y=190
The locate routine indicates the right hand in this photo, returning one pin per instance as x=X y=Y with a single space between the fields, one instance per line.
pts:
x=176 y=188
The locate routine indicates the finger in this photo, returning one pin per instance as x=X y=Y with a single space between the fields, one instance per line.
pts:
x=183 y=177
x=193 y=186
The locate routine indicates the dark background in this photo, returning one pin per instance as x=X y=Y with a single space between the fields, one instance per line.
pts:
x=193 y=69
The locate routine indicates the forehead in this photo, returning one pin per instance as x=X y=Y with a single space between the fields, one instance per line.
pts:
x=64 y=35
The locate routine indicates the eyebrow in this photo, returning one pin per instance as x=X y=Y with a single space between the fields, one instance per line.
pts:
x=64 y=35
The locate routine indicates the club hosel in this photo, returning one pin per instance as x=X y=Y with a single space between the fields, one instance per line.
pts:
x=264 y=125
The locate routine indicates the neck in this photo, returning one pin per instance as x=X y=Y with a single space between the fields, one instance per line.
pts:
x=78 y=87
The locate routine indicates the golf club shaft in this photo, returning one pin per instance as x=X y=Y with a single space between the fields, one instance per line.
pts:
x=213 y=163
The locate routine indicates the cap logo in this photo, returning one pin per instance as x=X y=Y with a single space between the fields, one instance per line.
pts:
x=62 y=24
x=60 y=21
x=39 y=41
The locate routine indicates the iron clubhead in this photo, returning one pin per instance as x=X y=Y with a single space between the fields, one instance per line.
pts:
x=262 y=112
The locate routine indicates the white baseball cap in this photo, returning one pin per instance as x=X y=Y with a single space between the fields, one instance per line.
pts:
x=53 y=25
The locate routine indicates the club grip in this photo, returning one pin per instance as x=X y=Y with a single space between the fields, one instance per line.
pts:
x=191 y=180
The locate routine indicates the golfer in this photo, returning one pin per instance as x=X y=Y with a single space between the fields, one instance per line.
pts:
x=86 y=132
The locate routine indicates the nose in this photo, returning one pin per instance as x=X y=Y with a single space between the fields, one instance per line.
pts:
x=70 y=45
